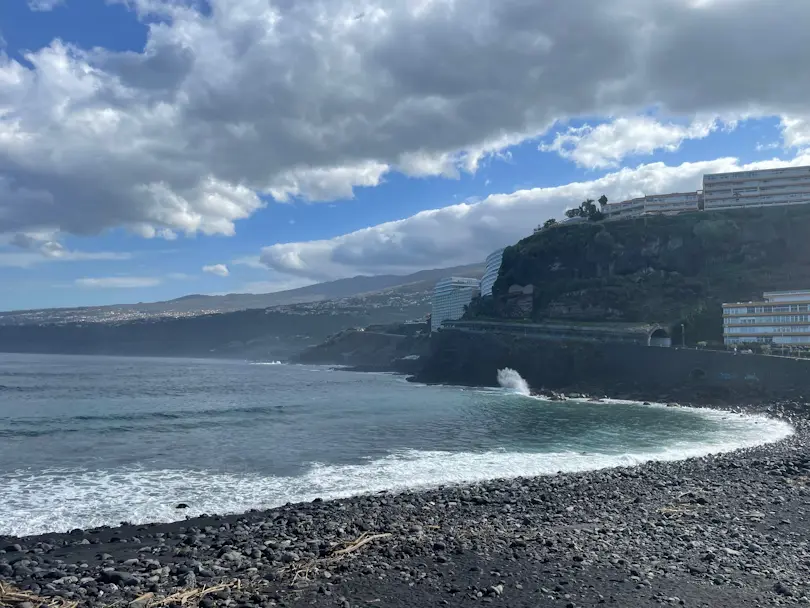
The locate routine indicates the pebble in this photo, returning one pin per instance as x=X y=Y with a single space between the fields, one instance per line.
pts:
x=709 y=525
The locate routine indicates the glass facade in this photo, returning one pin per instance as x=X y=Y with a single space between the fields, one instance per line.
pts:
x=493 y=267
x=450 y=297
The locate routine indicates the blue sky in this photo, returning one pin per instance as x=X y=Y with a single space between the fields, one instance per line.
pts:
x=155 y=148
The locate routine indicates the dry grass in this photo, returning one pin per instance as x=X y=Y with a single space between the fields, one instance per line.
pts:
x=14 y=598
x=678 y=509
x=186 y=597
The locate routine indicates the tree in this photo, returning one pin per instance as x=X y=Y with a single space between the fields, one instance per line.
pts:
x=603 y=200
x=547 y=224
x=588 y=210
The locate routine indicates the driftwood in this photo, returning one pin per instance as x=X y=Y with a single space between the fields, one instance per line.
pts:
x=301 y=572
x=13 y=598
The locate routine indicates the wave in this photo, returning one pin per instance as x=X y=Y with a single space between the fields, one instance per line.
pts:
x=266 y=363
x=510 y=379
x=60 y=500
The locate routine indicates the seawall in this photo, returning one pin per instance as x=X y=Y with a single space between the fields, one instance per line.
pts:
x=473 y=359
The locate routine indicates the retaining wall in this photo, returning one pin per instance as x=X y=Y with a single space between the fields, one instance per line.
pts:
x=458 y=357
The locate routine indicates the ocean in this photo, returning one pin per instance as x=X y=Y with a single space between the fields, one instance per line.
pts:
x=91 y=441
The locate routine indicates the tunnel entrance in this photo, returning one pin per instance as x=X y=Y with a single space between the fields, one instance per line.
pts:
x=660 y=337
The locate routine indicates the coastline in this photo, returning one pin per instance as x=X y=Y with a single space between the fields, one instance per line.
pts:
x=719 y=530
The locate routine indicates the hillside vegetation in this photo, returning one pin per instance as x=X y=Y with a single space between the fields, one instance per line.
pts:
x=666 y=269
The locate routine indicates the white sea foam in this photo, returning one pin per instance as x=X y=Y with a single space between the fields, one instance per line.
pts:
x=266 y=363
x=510 y=379
x=60 y=500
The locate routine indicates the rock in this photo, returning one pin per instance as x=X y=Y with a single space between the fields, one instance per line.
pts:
x=783 y=589
x=189 y=580
x=182 y=505
x=233 y=556
x=15 y=548
x=114 y=577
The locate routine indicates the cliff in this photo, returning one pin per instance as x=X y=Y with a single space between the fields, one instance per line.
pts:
x=665 y=269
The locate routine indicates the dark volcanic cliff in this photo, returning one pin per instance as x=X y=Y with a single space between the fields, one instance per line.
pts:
x=664 y=269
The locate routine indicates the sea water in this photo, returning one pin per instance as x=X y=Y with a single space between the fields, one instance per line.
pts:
x=89 y=441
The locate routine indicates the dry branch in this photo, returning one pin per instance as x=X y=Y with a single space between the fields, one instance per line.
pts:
x=12 y=598
x=364 y=539
x=194 y=595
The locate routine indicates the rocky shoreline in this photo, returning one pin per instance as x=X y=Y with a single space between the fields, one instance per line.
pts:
x=722 y=530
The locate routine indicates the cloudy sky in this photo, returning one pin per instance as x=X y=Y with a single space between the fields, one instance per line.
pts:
x=154 y=148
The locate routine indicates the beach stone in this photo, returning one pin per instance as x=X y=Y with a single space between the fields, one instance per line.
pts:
x=119 y=578
x=233 y=556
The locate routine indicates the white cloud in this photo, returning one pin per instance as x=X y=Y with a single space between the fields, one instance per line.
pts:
x=44 y=5
x=221 y=270
x=607 y=144
x=29 y=259
x=117 y=282
x=796 y=131
x=311 y=99
x=251 y=261
x=466 y=233
x=43 y=247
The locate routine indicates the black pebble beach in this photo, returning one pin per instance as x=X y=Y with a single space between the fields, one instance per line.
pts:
x=727 y=530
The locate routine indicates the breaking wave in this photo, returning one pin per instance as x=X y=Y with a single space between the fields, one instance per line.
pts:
x=510 y=379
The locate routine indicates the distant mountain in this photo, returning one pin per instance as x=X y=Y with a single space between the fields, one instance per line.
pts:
x=341 y=288
x=266 y=326
x=195 y=304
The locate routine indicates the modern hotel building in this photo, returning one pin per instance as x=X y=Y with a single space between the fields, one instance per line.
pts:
x=677 y=202
x=782 y=317
x=450 y=296
x=492 y=268
x=764 y=188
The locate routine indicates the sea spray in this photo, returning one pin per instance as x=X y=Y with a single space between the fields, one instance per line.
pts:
x=509 y=378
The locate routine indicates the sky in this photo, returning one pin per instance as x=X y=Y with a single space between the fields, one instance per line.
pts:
x=151 y=149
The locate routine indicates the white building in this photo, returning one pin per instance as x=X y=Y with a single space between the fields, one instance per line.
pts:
x=782 y=317
x=492 y=268
x=668 y=204
x=765 y=188
x=450 y=296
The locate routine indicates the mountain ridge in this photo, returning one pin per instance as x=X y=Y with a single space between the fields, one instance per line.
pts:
x=190 y=304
